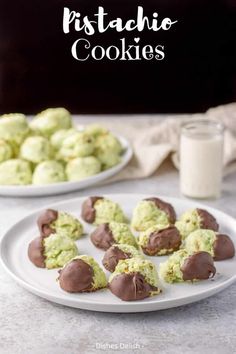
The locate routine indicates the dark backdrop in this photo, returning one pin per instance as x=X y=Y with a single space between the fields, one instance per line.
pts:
x=37 y=69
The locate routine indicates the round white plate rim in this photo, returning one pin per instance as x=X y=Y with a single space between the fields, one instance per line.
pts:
x=137 y=306
x=67 y=186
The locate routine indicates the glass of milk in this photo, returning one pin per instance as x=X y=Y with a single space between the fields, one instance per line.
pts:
x=201 y=158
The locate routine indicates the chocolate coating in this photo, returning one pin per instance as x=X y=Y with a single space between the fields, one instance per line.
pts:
x=207 y=220
x=130 y=286
x=223 y=248
x=102 y=237
x=36 y=252
x=112 y=257
x=167 y=239
x=76 y=277
x=88 y=212
x=44 y=221
x=166 y=207
x=200 y=266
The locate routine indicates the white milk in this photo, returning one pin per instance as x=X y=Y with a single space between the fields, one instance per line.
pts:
x=201 y=156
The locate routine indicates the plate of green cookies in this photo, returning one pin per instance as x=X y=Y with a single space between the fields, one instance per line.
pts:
x=49 y=154
x=122 y=252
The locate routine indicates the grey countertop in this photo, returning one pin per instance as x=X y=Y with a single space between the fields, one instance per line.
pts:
x=31 y=325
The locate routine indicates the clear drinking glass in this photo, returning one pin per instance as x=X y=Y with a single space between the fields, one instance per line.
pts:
x=201 y=158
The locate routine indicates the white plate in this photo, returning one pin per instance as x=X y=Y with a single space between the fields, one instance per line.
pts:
x=65 y=187
x=42 y=282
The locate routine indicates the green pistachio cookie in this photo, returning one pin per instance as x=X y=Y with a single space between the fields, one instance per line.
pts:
x=200 y=240
x=107 y=211
x=6 y=151
x=122 y=233
x=140 y=265
x=170 y=271
x=96 y=130
x=219 y=246
x=134 y=279
x=196 y=219
x=60 y=222
x=82 y=274
x=127 y=248
x=82 y=167
x=53 y=251
x=118 y=252
x=146 y=214
x=183 y=266
x=108 y=150
x=36 y=149
x=108 y=142
x=159 y=240
x=58 y=250
x=48 y=172
x=58 y=137
x=69 y=225
x=105 y=235
x=109 y=159
x=79 y=144
x=13 y=128
x=15 y=172
x=51 y=120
